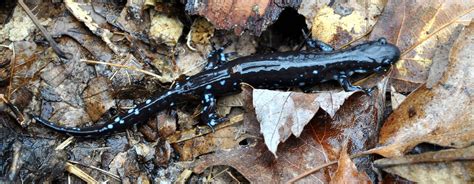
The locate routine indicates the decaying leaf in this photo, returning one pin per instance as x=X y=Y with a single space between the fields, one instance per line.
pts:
x=417 y=38
x=70 y=92
x=282 y=114
x=190 y=145
x=70 y=27
x=442 y=115
x=201 y=31
x=83 y=12
x=319 y=142
x=128 y=169
x=445 y=166
x=347 y=171
x=19 y=28
x=97 y=98
x=396 y=98
x=344 y=22
x=254 y=15
x=165 y=29
x=225 y=104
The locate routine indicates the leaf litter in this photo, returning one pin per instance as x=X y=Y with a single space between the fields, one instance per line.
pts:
x=282 y=114
x=348 y=123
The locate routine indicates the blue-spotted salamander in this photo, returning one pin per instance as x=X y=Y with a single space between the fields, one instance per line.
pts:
x=276 y=70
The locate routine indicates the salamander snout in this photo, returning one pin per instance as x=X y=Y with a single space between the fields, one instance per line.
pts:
x=382 y=52
x=391 y=53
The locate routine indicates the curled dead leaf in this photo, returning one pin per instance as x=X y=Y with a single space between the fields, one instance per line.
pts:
x=442 y=115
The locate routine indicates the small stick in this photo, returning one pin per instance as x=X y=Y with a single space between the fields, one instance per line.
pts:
x=302 y=175
x=114 y=176
x=123 y=66
x=48 y=37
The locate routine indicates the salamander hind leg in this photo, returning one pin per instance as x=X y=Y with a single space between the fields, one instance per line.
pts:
x=208 y=114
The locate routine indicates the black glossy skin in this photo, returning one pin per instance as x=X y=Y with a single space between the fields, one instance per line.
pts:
x=277 y=70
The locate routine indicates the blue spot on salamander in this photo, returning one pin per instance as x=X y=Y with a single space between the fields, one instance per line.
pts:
x=222 y=57
x=207 y=97
x=222 y=82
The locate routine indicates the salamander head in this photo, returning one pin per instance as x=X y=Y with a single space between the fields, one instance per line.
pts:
x=379 y=54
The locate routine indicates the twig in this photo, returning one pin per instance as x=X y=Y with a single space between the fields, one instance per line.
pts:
x=98 y=169
x=79 y=173
x=12 y=68
x=293 y=180
x=311 y=171
x=48 y=37
x=18 y=115
x=65 y=143
x=123 y=66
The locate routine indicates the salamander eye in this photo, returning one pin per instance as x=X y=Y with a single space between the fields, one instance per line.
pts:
x=382 y=41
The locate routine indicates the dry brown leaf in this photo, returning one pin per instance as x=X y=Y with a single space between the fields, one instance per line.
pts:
x=98 y=98
x=165 y=29
x=69 y=26
x=396 y=98
x=345 y=22
x=445 y=166
x=443 y=115
x=417 y=27
x=125 y=165
x=225 y=104
x=282 y=114
x=319 y=143
x=347 y=171
x=192 y=143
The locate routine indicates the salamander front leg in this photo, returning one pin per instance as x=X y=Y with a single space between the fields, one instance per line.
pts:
x=208 y=114
x=216 y=57
x=346 y=84
x=316 y=44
